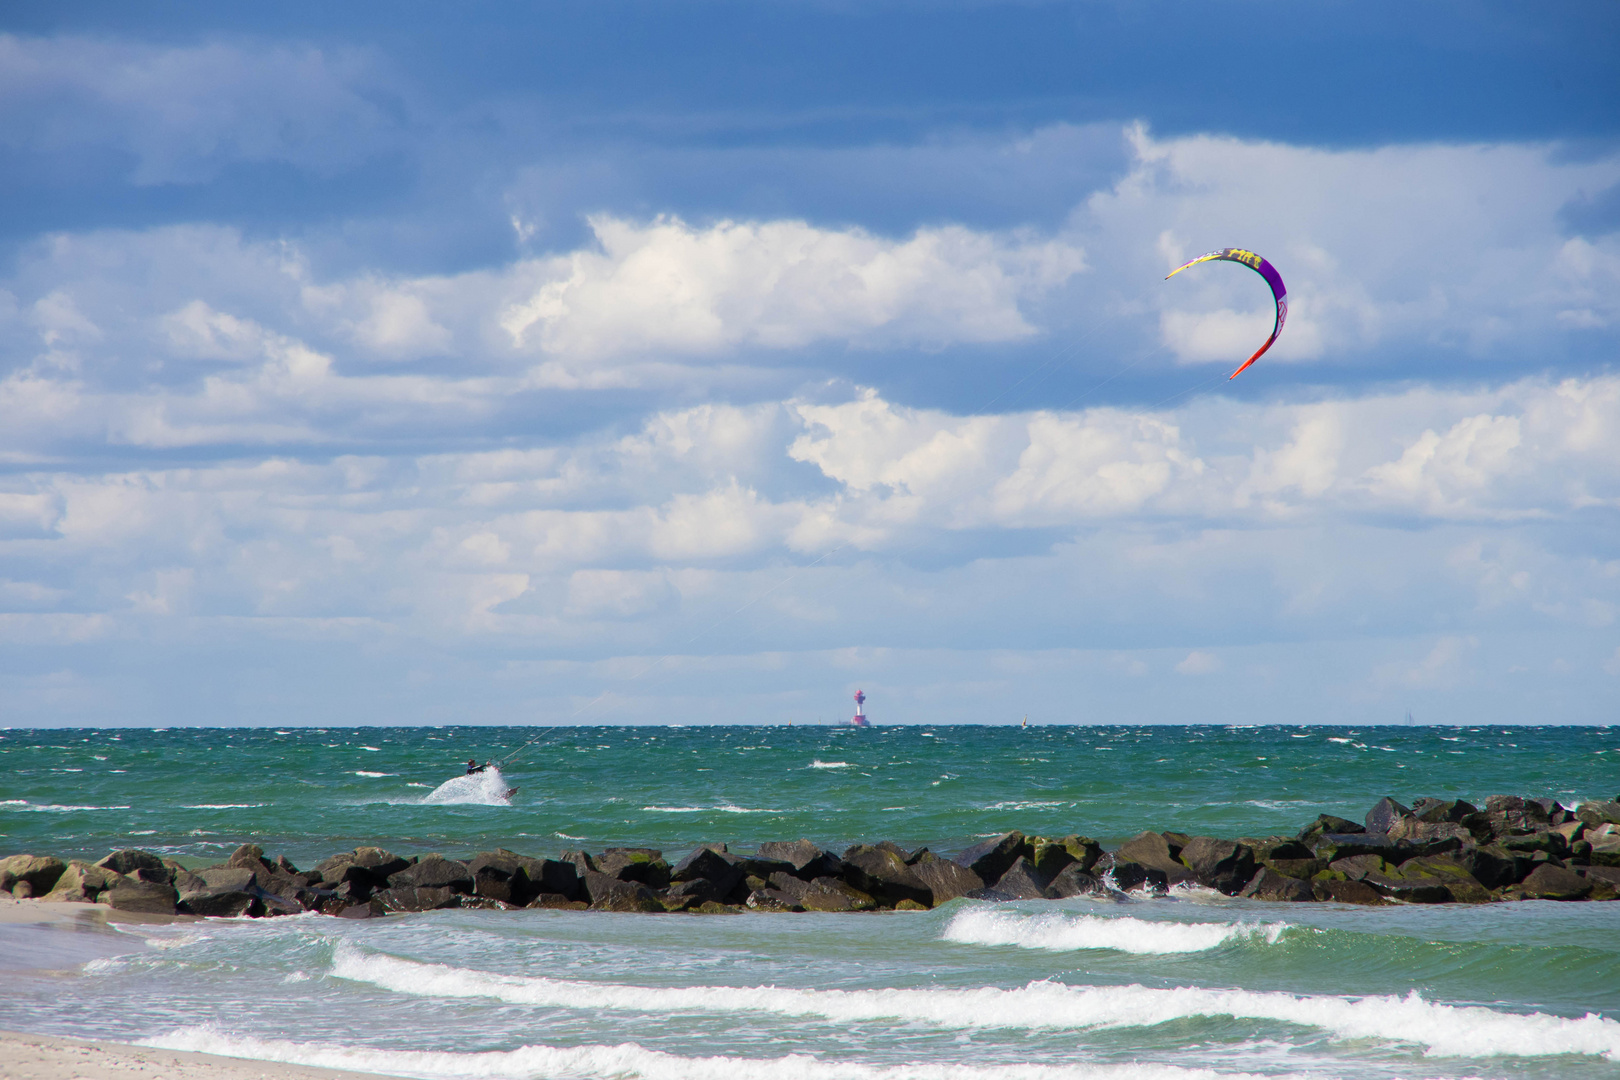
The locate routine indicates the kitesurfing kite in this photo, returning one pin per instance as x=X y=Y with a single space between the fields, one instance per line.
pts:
x=1254 y=262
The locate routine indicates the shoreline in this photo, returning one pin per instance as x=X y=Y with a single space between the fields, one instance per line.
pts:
x=1434 y=852
x=53 y=1057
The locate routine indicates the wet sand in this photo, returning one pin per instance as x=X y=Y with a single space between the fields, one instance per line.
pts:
x=42 y=1057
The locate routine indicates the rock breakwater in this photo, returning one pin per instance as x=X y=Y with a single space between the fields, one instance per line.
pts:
x=1434 y=851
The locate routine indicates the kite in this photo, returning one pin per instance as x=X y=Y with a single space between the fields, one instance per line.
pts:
x=1254 y=262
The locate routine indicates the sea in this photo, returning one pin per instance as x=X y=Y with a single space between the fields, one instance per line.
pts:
x=1188 y=985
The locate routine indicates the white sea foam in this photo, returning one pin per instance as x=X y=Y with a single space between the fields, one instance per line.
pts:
x=1441 y=1030
x=721 y=808
x=819 y=764
x=223 y=806
x=628 y=1060
x=362 y=772
x=487 y=788
x=24 y=806
x=1063 y=932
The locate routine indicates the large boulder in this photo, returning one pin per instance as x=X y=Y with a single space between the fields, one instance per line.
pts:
x=1430 y=835
x=713 y=864
x=946 y=880
x=1328 y=823
x=1434 y=811
x=1332 y=846
x=1347 y=892
x=808 y=860
x=645 y=865
x=1494 y=867
x=1267 y=884
x=609 y=893
x=510 y=878
x=433 y=872
x=1497 y=804
x=131 y=860
x=1384 y=814
x=685 y=895
x=1223 y=865
x=1073 y=881
x=1149 y=858
x=1549 y=882
x=1599 y=813
x=252 y=857
x=83 y=883
x=880 y=871
x=222 y=903
x=1439 y=869
x=991 y=858
x=417 y=898
x=1604 y=841
x=1049 y=856
x=1022 y=881
x=1411 y=890
x=821 y=894
x=30 y=875
x=145 y=897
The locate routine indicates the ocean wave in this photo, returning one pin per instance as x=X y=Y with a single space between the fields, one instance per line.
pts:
x=628 y=1060
x=1063 y=933
x=1027 y=804
x=24 y=806
x=223 y=806
x=721 y=808
x=1441 y=1030
x=819 y=764
x=362 y=772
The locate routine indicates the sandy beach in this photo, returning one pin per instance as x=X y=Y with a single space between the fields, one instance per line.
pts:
x=41 y=1057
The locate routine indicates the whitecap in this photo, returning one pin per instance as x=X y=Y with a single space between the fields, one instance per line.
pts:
x=53 y=808
x=362 y=772
x=1060 y=932
x=819 y=764
x=1439 y=1029
x=224 y=806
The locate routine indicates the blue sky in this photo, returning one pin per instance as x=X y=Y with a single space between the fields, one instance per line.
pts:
x=399 y=363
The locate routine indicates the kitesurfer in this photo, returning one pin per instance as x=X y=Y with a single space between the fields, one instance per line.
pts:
x=474 y=767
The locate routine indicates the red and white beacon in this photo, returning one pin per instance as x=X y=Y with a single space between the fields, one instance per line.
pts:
x=859 y=719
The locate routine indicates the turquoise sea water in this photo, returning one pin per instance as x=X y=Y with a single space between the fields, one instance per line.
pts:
x=1193 y=984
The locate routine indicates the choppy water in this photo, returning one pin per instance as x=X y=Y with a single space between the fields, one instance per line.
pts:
x=1189 y=985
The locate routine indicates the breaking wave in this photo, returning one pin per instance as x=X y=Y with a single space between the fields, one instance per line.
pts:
x=1063 y=932
x=628 y=1060
x=1441 y=1030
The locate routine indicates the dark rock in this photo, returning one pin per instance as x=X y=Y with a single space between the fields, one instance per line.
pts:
x=1497 y=804
x=609 y=893
x=1048 y=856
x=554 y=876
x=381 y=863
x=1022 y=881
x=581 y=862
x=1219 y=864
x=1412 y=891
x=1304 y=869
x=507 y=876
x=129 y=860
x=822 y=894
x=1073 y=881
x=946 y=880
x=1327 y=823
x=1347 y=892
x=1463 y=886
x=1606 y=875
x=1435 y=811
x=557 y=900
x=1494 y=867
x=1603 y=845
x=716 y=867
x=881 y=872
x=995 y=896
x=433 y=872
x=645 y=865
x=222 y=903
x=1384 y=814
x=39 y=872
x=1430 y=835
x=992 y=858
x=1555 y=811
x=808 y=860
x=1269 y=848
x=149 y=897
x=1331 y=846
x=772 y=900
x=371 y=909
x=691 y=892
x=1267 y=884
x=1152 y=852
x=1356 y=867
x=228 y=877
x=1549 y=882
x=285 y=865
x=1547 y=840
x=417 y=898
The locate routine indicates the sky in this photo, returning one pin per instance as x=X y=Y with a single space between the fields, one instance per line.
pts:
x=650 y=362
